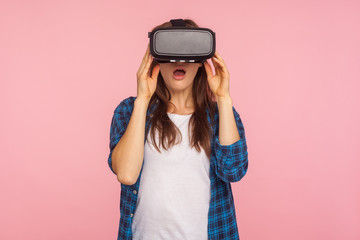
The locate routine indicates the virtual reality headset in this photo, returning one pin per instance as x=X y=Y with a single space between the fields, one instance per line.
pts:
x=181 y=44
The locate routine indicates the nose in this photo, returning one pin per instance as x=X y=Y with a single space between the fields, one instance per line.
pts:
x=180 y=64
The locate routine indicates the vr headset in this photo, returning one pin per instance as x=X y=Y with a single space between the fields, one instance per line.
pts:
x=181 y=44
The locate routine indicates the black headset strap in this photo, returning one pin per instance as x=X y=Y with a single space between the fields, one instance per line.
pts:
x=178 y=22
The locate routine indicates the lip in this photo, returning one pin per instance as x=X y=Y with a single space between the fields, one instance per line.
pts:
x=179 y=67
x=179 y=77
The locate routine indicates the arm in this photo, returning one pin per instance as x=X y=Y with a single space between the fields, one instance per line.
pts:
x=230 y=143
x=127 y=140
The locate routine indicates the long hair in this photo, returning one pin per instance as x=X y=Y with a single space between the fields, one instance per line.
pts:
x=199 y=129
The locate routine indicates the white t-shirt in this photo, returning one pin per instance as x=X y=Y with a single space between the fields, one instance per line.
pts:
x=174 y=193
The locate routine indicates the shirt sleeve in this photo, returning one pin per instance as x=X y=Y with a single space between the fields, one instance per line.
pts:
x=119 y=122
x=232 y=160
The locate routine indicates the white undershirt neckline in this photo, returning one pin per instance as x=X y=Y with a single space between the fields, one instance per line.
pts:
x=175 y=114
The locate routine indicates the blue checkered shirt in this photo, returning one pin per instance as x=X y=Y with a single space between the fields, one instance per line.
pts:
x=228 y=163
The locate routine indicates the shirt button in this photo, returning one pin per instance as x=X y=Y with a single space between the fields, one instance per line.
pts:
x=134 y=191
x=131 y=215
x=150 y=114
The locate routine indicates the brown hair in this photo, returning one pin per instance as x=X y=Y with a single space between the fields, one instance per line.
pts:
x=203 y=99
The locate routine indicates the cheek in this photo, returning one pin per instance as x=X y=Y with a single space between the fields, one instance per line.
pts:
x=165 y=70
x=193 y=71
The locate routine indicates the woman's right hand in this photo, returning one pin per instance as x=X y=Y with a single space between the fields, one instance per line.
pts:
x=146 y=85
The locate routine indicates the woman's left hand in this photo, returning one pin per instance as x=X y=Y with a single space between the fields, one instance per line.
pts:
x=219 y=83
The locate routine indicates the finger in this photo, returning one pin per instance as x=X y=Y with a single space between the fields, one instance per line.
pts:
x=208 y=70
x=141 y=67
x=216 y=65
x=217 y=54
x=155 y=72
x=145 y=58
x=222 y=67
x=146 y=55
x=220 y=58
x=147 y=66
x=220 y=63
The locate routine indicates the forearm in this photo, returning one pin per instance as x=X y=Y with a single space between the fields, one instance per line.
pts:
x=128 y=154
x=228 y=132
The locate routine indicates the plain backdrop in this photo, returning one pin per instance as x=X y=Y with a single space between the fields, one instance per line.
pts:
x=294 y=79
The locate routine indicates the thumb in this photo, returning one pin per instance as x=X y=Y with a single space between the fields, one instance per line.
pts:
x=155 y=71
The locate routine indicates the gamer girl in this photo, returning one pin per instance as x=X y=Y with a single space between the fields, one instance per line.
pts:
x=177 y=146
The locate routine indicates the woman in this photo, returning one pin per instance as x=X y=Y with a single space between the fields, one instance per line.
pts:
x=178 y=189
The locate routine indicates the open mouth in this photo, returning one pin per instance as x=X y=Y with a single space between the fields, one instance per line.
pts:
x=179 y=73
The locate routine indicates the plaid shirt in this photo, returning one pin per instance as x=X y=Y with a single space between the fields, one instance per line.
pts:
x=228 y=163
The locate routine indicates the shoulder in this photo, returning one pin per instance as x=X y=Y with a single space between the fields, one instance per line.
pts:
x=125 y=105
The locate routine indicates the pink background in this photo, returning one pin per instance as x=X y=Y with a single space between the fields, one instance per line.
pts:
x=294 y=79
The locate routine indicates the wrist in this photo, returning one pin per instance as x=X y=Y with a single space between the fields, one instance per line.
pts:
x=142 y=100
x=224 y=99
